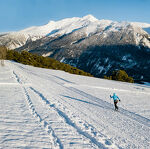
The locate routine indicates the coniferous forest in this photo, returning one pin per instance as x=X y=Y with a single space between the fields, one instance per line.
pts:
x=27 y=58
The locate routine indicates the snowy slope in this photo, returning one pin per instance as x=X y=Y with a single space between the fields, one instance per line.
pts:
x=41 y=108
x=145 y=26
x=61 y=27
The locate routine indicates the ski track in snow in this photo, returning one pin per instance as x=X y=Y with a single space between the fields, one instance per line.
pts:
x=63 y=115
x=71 y=123
x=134 y=116
x=131 y=115
x=56 y=142
x=18 y=128
x=105 y=143
x=53 y=139
x=63 y=122
x=87 y=127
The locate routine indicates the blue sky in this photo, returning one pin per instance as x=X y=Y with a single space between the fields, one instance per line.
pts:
x=19 y=14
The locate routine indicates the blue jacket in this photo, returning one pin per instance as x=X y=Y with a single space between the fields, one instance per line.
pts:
x=115 y=97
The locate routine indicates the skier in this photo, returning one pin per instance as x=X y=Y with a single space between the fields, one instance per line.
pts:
x=115 y=98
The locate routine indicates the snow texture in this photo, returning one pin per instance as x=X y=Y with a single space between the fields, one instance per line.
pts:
x=41 y=108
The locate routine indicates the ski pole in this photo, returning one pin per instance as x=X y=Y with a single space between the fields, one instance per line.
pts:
x=110 y=98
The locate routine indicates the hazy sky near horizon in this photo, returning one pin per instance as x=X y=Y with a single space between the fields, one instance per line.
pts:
x=19 y=14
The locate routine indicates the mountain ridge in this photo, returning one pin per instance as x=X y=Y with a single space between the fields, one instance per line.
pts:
x=54 y=28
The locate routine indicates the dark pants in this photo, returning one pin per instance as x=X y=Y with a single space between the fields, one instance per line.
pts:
x=115 y=103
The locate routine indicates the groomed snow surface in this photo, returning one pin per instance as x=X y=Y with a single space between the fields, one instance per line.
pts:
x=41 y=108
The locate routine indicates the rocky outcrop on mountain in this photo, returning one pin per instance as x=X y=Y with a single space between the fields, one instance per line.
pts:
x=96 y=46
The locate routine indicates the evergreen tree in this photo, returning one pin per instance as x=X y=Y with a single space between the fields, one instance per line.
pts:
x=3 y=52
x=120 y=75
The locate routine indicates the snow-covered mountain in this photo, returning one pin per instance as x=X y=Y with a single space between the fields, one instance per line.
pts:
x=43 y=108
x=17 y=39
x=87 y=25
x=96 y=46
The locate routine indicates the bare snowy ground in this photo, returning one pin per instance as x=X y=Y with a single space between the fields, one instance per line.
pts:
x=41 y=108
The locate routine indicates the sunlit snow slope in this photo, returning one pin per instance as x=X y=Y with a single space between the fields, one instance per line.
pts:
x=41 y=108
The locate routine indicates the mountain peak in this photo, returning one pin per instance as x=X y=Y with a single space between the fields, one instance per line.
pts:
x=90 y=18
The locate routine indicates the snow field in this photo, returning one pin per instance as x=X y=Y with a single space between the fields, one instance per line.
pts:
x=73 y=143
x=70 y=111
x=17 y=126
